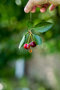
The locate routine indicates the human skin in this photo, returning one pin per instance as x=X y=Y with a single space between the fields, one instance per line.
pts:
x=42 y=4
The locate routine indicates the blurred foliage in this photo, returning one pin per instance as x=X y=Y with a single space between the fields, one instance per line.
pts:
x=13 y=24
x=22 y=84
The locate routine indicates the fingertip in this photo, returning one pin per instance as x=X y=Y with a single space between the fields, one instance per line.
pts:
x=26 y=10
x=42 y=10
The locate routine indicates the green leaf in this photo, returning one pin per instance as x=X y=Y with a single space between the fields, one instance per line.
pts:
x=42 y=29
x=37 y=39
x=22 y=42
x=42 y=23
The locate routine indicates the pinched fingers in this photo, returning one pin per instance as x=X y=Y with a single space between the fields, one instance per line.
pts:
x=31 y=7
x=32 y=3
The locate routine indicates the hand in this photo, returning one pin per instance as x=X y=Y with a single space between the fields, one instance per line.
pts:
x=42 y=4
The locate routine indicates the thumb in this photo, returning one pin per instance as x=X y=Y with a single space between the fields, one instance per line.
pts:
x=29 y=6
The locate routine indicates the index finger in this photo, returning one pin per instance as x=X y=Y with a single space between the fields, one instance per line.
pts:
x=29 y=6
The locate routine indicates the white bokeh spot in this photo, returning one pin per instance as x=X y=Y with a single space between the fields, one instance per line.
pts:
x=18 y=2
x=1 y=86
